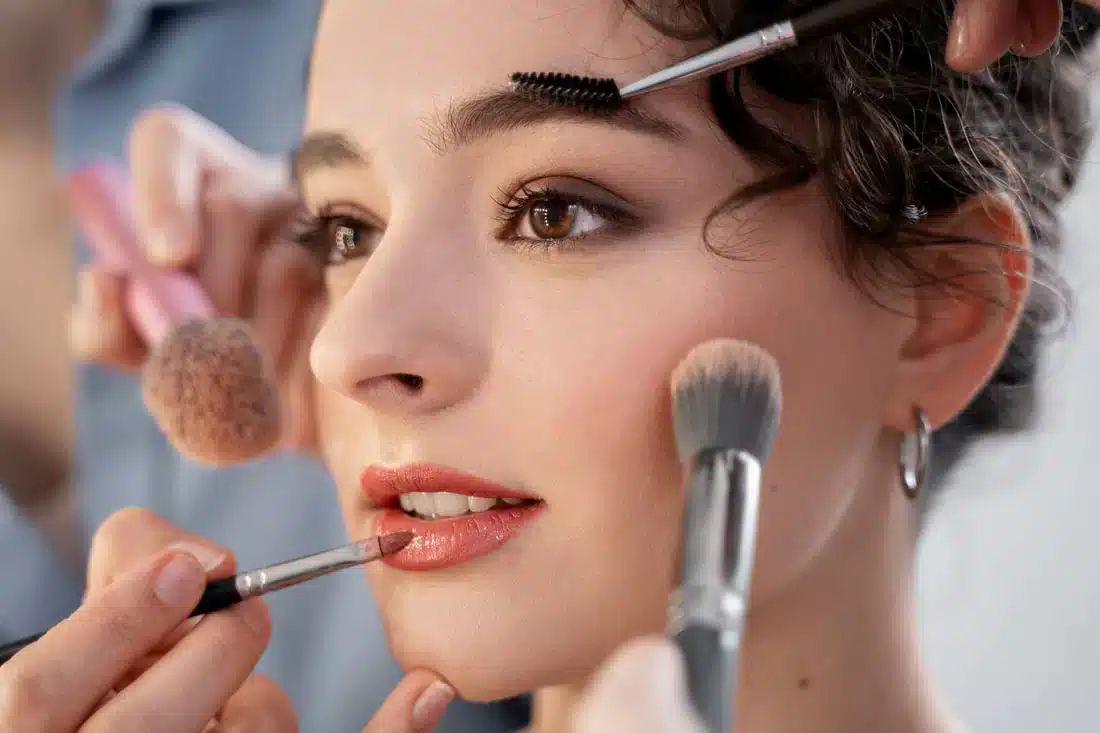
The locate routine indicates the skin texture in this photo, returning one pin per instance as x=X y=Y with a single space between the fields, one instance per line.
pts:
x=515 y=343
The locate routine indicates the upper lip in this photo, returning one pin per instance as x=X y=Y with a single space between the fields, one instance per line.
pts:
x=383 y=486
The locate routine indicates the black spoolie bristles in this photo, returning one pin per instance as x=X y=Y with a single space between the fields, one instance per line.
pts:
x=584 y=92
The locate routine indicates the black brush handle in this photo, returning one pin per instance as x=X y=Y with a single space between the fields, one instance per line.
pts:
x=711 y=675
x=839 y=15
x=219 y=595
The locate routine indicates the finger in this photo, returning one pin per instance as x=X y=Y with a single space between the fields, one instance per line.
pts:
x=1038 y=23
x=641 y=688
x=188 y=686
x=260 y=706
x=166 y=169
x=130 y=535
x=416 y=705
x=243 y=212
x=300 y=384
x=981 y=30
x=44 y=689
x=226 y=267
x=159 y=650
x=100 y=330
x=289 y=280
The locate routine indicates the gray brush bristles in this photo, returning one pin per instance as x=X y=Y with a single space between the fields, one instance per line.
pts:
x=726 y=395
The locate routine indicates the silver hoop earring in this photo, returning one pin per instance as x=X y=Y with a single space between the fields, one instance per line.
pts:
x=915 y=450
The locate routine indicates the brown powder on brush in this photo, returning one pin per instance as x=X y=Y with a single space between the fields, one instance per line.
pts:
x=213 y=392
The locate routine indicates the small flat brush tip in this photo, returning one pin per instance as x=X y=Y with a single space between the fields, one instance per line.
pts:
x=395 y=542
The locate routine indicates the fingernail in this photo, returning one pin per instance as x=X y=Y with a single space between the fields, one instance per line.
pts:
x=431 y=705
x=180 y=580
x=209 y=557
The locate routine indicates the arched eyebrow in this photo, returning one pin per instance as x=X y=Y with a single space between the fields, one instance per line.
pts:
x=473 y=120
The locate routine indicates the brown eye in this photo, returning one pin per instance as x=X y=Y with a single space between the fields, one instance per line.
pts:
x=349 y=239
x=345 y=241
x=553 y=218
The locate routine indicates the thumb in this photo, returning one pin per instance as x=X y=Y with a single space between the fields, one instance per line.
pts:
x=640 y=689
x=415 y=705
x=167 y=174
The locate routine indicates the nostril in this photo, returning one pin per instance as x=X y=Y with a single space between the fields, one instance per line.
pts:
x=411 y=381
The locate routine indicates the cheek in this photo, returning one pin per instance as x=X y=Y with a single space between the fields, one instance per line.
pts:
x=349 y=442
x=595 y=360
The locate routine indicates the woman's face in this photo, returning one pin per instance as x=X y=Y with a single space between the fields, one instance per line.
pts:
x=513 y=287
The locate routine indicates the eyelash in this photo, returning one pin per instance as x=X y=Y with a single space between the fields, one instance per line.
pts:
x=512 y=208
x=315 y=233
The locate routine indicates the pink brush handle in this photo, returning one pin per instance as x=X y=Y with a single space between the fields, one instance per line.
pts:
x=157 y=299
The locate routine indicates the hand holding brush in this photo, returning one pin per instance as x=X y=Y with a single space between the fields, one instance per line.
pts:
x=195 y=282
x=129 y=661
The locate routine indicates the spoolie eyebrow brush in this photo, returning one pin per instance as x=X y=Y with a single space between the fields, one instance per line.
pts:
x=604 y=95
x=221 y=594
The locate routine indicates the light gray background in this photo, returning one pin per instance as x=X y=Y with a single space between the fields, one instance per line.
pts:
x=1009 y=588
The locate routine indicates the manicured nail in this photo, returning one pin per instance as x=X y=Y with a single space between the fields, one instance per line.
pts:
x=208 y=557
x=431 y=705
x=180 y=580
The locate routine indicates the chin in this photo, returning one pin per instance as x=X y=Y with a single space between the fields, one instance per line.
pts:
x=493 y=636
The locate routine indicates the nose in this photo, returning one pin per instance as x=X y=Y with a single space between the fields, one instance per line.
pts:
x=410 y=336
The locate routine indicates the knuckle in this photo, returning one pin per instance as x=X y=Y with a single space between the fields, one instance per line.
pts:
x=120 y=524
x=25 y=698
x=128 y=518
x=112 y=546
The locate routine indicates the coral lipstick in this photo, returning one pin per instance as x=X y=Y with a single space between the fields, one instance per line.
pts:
x=454 y=516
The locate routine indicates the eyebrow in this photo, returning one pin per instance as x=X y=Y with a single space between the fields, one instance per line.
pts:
x=473 y=120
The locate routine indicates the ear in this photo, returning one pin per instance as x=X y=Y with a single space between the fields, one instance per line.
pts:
x=965 y=313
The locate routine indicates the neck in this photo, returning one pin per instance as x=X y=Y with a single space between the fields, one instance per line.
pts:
x=838 y=651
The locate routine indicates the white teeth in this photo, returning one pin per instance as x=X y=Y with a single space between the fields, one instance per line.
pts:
x=481 y=503
x=445 y=504
x=423 y=503
x=450 y=505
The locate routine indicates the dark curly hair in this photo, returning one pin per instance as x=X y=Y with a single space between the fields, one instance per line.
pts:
x=904 y=138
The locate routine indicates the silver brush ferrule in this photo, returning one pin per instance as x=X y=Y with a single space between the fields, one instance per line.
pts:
x=292 y=572
x=736 y=53
x=720 y=520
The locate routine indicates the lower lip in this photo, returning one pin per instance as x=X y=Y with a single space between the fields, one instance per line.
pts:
x=444 y=543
